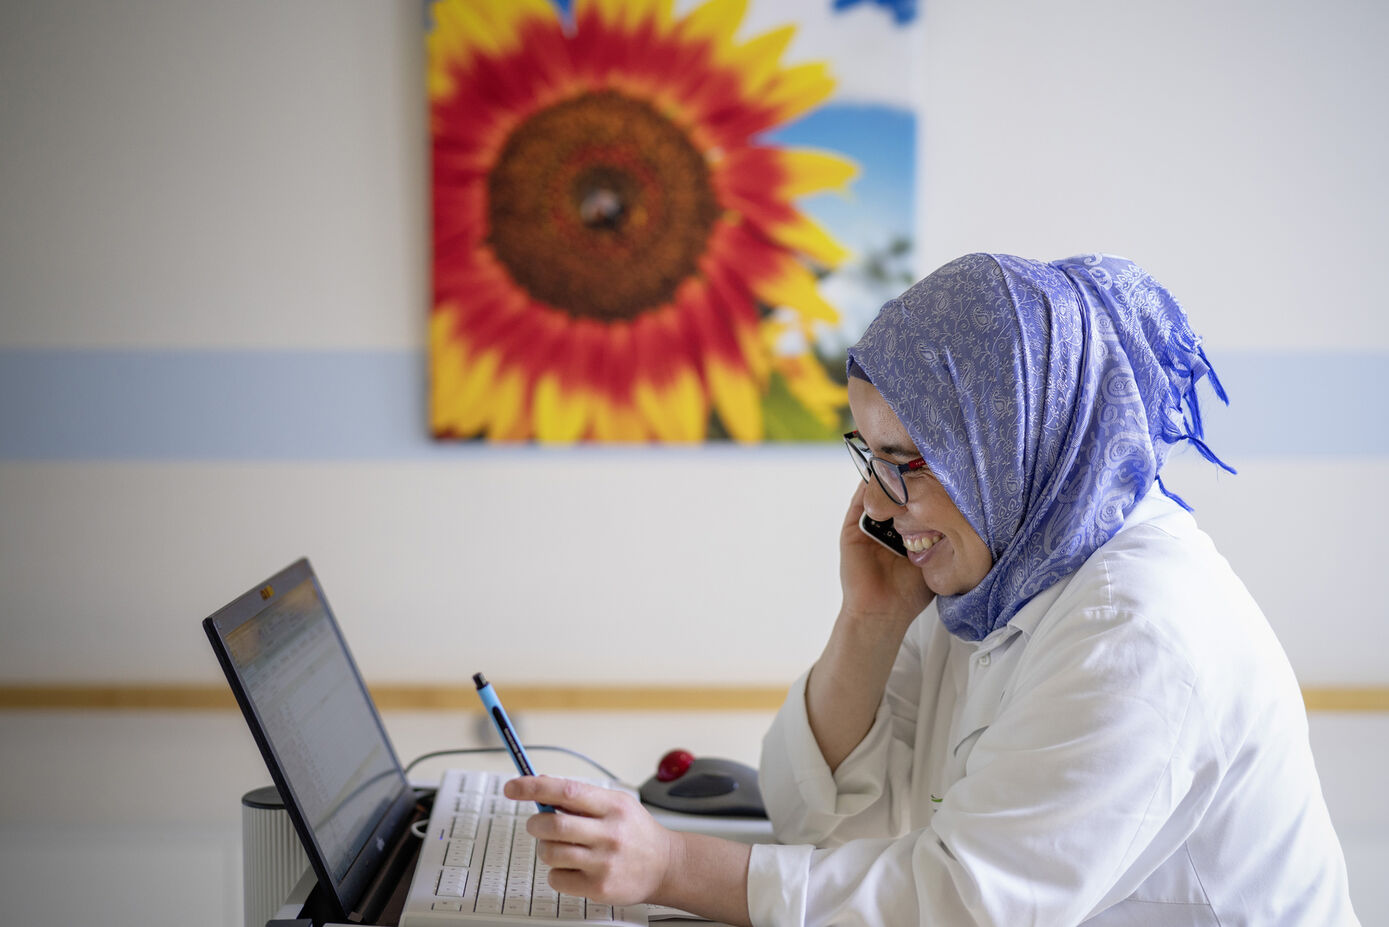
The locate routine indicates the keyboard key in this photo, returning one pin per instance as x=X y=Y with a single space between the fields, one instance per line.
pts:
x=490 y=903
x=452 y=881
x=474 y=781
x=541 y=891
x=465 y=824
x=571 y=906
x=598 y=912
x=459 y=853
x=447 y=906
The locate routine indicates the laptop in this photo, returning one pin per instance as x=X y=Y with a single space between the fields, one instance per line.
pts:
x=383 y=852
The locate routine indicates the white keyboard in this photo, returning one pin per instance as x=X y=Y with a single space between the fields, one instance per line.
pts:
x=478 y=865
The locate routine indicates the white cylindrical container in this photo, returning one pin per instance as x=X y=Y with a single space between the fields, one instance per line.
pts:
x=272 y=859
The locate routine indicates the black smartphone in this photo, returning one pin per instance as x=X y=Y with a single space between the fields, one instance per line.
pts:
x=883 y=533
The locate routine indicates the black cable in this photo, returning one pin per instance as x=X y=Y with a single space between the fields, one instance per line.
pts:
x=437 y=753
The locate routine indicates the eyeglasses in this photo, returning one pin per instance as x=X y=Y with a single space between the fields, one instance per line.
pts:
x=887 y=473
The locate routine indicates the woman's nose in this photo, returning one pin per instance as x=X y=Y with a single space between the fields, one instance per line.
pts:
x=877 y=504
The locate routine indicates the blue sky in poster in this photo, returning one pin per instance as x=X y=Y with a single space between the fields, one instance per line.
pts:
x=879 y=207
x=882 y=141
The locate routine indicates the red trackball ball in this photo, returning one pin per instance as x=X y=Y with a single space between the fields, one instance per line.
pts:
x=673 y=765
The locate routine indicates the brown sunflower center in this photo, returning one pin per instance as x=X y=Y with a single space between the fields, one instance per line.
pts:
x=600 y=206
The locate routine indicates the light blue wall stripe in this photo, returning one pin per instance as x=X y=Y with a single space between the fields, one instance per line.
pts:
x=202 y=405
x=370 y=405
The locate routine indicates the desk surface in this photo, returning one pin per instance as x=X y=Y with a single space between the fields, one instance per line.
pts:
x=743 y=830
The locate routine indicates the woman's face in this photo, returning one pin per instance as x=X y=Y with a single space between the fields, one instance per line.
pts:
x=952 y=557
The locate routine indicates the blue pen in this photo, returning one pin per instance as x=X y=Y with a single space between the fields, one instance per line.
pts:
x=504 y=728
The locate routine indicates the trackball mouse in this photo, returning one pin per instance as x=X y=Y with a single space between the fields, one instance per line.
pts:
x=704 y=785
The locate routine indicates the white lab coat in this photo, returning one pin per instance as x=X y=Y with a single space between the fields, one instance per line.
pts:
x=1131 y=749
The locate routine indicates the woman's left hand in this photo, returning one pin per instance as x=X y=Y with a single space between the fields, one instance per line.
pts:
x=605 y=846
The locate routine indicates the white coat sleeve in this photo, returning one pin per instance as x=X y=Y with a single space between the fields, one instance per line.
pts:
x=866 y=794
x=1097 y=762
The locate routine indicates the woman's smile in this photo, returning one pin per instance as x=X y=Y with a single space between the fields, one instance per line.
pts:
x=920 y=543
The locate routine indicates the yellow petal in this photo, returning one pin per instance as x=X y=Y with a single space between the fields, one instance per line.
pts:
x=470 y=407
x=561 y=415
x=676 y=410
x=613 y=13
x=809 y=171
x=688 y=403
x=770 y=333
x=448 y=359
x=759 y=58
x=619 y=423
x=507 y=399
x=650 y=401
x=809 y=238
x=446 y=376
x=737 y=400
x=812 y=386
x=463 y=28
x=799 y=89
x=628 y=13
x=446 y=49
x=662 y=11
x=793 y=286
x=716 y=21
x=756 y=354
x=495 y=28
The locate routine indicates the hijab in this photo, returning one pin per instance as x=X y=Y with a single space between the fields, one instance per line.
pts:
x=1045 y=398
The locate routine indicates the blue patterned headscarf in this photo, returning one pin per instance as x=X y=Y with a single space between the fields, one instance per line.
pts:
x=1045 y=398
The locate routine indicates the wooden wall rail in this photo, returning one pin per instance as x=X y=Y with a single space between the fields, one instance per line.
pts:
x=400 y=697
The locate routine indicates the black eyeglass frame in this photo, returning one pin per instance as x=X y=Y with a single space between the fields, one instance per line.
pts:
x=866 y=463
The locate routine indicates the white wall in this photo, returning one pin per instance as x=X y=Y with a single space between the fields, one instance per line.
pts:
x=1236 y=149
x=187 y=176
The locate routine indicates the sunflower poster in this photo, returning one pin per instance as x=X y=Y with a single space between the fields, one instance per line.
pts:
x=657 y=221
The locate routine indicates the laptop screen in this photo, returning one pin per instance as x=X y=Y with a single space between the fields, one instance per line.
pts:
x=314 y=722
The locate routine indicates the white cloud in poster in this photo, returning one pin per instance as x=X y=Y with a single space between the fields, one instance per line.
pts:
x=868 y=53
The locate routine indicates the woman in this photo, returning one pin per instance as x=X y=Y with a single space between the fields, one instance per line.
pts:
x=1061 y=706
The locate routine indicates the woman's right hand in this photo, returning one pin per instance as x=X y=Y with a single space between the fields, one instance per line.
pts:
x=883 y=594
x=878 y=585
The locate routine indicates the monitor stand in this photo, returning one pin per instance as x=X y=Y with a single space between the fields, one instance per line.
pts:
x=383 y=902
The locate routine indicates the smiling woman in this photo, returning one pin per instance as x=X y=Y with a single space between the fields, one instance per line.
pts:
x=609 y=237
x=1057 y=703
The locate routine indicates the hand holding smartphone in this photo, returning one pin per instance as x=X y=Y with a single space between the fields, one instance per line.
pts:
x=883 y=533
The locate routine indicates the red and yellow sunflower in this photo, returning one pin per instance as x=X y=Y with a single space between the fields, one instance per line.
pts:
x=616 y=256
